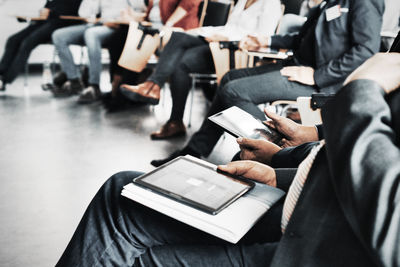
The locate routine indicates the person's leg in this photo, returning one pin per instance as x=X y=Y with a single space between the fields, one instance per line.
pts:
x=115 y=230
x=64 y=37
x=172 y=54
x=38 y=36
x=194 y=60
x=94 y=37
x=12 y=45
x=209 y=255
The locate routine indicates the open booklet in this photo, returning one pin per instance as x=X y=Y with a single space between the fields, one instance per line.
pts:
x=231 y=222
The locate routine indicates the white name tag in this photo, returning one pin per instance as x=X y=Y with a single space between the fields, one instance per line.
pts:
x=333 y=13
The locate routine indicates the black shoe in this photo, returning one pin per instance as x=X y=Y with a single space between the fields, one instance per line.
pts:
x=91 y=94
x=183 y=152
x=59 y=78
x=70 y=87
x=118 y=102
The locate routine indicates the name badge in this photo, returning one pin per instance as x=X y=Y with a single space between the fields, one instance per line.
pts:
x=333 y=13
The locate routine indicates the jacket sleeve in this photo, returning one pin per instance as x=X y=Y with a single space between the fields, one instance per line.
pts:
x=286 y=41
x=364 y=159
x=366 y=22
x=284 y=178
x=291 y=157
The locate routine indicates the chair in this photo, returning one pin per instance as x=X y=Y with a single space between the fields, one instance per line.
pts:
x=292 y=6
x=214 y=13
x=141 y=43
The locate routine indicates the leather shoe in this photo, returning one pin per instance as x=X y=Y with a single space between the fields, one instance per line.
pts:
x=169 y=130
x=147 y=92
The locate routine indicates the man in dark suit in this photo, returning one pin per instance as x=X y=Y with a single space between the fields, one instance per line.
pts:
x=20 y=45
x=346 y=214
x=339 y=35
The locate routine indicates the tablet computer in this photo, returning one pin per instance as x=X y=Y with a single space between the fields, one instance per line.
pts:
x=239 y=123
x=195 y=183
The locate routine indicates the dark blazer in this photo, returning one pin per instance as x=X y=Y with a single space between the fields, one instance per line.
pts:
x=342 y=44
x=63 y=7
x=348 y=213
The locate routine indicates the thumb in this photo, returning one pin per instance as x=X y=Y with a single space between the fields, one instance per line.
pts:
x=247 y=142
x=229 y=168
x=272 y=115
x=237 y=167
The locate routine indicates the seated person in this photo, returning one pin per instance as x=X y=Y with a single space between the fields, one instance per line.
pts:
x=325 y=220
x=92 y=34
x=20 y=45
x=180 y=14
x=186 y=53
x=326 y=50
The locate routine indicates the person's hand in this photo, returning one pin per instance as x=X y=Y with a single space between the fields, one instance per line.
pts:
x=383 y=68
x=251 y=170
x=44 y=13
x=216 y=38
x=295 y=134
x=301 y=74
x=251 y=42
x=257 y=149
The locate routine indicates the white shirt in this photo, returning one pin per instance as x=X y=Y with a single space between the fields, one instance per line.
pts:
x=110 y=9
x=262 y=18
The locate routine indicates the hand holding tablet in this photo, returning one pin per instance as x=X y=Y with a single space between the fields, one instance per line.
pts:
x=239 y=123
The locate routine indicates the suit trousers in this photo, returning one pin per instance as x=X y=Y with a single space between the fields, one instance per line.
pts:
x=116 y=231
x=20 y=45
x=246 y=89
x=184 y=54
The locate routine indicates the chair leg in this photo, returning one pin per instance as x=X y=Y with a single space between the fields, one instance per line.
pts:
x=26 y=74
x=191 y=101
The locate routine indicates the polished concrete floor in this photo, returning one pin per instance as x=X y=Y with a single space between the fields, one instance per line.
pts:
x=55 y=154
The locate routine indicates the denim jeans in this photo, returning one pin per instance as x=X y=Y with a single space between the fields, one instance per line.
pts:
x=93 y=37
x=184 y=54
x=246 y=89
x=20 y=45
x=116 y=231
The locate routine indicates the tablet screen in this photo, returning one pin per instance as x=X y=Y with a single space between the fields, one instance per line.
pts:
x=242 y=124
x=195 y=184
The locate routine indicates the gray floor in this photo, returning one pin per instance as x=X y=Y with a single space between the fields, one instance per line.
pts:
x=54 y=155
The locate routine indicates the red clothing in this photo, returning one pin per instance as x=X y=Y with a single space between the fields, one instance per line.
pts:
x=167 y=7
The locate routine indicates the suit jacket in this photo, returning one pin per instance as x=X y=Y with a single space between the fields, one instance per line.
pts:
x=62 y=7
x=342 y=44
x=348 y=213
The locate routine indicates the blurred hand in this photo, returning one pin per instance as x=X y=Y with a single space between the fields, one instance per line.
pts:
x=383 y=68
x=216 y=38
x=251 y=42
x=257 y=149
x=295 y=134
x=44 y=13
x=301 y=74
x=251 y=170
